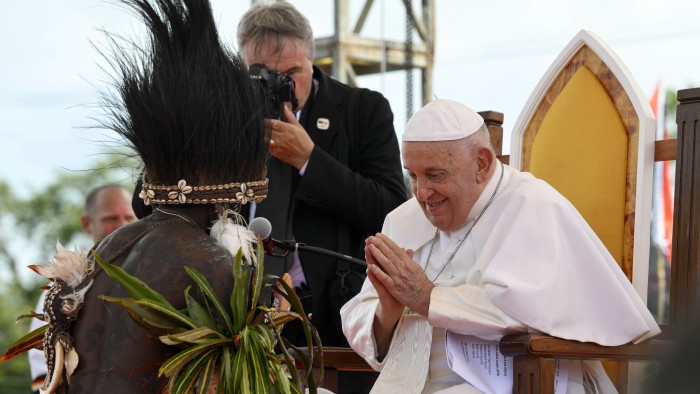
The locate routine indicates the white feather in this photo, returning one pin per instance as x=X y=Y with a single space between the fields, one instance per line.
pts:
x=233 y=237
x=71 y=267
x=73 y=301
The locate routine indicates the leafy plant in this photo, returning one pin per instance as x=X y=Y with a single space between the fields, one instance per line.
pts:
x=232 y=350
x=238 y=351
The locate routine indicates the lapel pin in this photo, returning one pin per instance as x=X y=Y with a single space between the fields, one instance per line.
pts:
x=323 y=124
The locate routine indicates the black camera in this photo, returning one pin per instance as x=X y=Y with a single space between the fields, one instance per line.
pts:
x=275 y=89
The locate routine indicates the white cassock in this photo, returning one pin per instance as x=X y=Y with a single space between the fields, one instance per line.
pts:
x=530 y=264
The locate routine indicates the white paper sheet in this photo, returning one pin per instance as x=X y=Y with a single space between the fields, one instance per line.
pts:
x=481 y=364
x=561 y=375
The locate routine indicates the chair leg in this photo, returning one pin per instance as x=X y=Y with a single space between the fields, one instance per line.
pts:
x=535 y=375
x=330 y=380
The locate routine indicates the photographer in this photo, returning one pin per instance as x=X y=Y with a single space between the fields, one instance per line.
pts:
x=334 y=170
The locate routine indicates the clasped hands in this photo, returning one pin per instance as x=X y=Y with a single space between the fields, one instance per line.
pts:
x=289 y=141
x=398 y=279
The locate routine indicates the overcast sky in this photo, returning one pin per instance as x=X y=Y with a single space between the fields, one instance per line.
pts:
x=489 y=55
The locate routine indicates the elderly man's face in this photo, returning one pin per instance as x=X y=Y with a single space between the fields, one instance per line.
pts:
x=292 y=61
x=443 y=179
x=112 y=210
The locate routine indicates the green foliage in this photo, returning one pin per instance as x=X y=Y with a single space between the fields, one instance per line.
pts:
x=14 y=375
x=240 y=354
x=33 y=340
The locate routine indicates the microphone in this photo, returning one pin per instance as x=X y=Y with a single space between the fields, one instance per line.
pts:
x=262 y=228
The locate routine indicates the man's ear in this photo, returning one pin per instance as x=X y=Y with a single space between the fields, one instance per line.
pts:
x=85 y=224
x=484 y=161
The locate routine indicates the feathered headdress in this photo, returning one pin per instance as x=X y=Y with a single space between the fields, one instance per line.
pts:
x=184 y=102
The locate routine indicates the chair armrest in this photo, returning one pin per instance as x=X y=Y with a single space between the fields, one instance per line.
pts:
x=336 y=359
x=539 y=345
x=344 y=359
x=340 y=358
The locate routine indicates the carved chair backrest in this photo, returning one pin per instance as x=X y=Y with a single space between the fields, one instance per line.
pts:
x=589 y=131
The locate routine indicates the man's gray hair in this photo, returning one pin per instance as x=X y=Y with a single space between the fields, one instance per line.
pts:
x=479 y=139
x=275 y=24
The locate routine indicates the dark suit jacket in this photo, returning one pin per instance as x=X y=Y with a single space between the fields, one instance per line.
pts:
x=330 y=194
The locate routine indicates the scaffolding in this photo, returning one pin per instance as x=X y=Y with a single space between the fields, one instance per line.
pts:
x=347 y=54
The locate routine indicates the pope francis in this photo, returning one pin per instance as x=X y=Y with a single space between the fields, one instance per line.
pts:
x=485 y=250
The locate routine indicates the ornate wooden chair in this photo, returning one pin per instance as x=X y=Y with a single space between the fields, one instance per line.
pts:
x=589 y=132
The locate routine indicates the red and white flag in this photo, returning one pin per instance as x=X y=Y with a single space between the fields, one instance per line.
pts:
x=662 y=205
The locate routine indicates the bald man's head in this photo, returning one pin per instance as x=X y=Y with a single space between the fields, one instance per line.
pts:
x=106 y=209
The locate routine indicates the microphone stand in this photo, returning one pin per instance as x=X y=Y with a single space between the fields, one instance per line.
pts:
x=292 y=246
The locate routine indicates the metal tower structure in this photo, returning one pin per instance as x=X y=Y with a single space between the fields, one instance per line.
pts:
x=347 y=54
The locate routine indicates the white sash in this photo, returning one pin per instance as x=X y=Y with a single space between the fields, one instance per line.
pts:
x=406 y=367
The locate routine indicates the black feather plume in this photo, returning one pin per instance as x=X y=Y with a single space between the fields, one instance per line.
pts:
x=183 y=101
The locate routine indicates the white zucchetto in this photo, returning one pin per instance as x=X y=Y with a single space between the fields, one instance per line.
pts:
x=442 y=120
